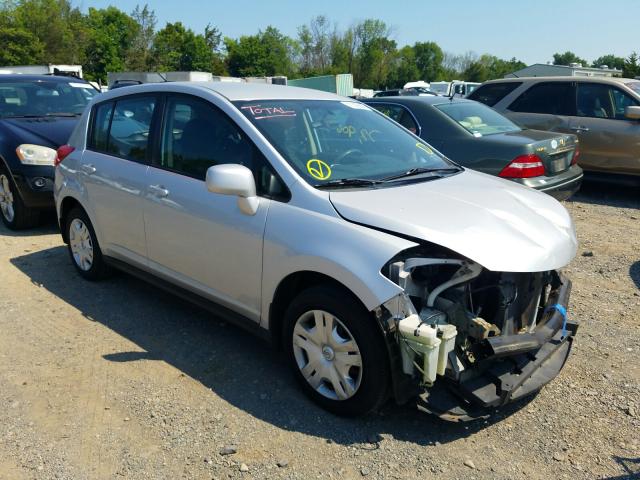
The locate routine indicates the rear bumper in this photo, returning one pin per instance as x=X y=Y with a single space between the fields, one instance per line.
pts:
x=510 y=367
x=561 y=186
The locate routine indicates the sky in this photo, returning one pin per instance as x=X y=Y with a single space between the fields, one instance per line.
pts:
x=531 y=31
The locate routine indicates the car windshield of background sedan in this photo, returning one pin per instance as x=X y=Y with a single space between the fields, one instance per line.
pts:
x=635 y=86
x=327 y=142
x=477 y=119
x=44 y=98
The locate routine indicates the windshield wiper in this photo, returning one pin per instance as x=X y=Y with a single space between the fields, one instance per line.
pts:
x=420 y=170
x=349 y=182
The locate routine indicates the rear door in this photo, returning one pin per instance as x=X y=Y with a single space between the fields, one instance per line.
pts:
x=608 y=140
x=545 y=106
x=114 y=169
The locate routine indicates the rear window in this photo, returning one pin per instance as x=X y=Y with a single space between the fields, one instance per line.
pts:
x=121 y=128
x=477 y=119
x=492 y=93
x=555 y=98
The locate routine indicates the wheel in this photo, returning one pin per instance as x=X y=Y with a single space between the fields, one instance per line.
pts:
x=336 y=351
x=84 y=249
x=12 y=210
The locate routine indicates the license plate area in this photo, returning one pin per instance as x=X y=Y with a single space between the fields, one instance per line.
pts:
x=560 y=162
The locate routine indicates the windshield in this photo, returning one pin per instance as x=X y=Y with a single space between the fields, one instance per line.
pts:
x=440 y=88
x=635 y=86
x=477 y=119
x=327 y=141
x=44 y=97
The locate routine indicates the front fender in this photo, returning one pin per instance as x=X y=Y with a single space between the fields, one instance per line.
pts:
x=302 y=240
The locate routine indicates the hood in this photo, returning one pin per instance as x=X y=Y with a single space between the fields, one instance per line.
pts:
x=499 y=224
x=47 y=131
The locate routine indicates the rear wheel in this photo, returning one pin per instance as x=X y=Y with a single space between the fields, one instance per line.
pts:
x=84 y=249
x=336 y=351
x=15 y=215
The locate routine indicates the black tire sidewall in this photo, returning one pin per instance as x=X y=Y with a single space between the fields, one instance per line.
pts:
x=22 y=216
x=98 y=268
x=375 y=371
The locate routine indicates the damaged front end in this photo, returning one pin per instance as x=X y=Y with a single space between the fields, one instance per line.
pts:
x=466 y=339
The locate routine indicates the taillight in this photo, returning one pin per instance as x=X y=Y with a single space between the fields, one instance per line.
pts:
x=576 y=154
x=524 y=166
x=62 y=153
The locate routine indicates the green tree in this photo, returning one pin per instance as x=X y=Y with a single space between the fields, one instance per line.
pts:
x=111 y=32
x=176 y=48
x=138 y=56
x=267 y=53
x=631 y=66
x=19 y=47
x=429 y=58
x=567 y=58
x=610 y=61
x=59 y=27
x=213 y=37
x=372 y=52
x=405 y=69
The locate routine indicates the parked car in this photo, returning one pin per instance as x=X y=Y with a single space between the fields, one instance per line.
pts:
x=411 y=91
x=480 y=138
x=454 y=88
x=377 y=264
x=604 y=113
x=37 y=115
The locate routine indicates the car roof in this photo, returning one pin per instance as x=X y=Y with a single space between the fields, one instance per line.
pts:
x=235 y=91
x=612 y=80
x=419 y=100
x=21 y=77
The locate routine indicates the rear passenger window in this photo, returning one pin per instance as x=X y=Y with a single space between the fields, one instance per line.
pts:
x=100 y=131
x=399 y=114
x=492 y=93
x=130 y=126
x=555 y=98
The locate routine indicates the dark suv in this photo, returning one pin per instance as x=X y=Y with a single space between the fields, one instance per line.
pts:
x=37 y=115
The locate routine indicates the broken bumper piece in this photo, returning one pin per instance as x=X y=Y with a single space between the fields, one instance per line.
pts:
x=510 y=367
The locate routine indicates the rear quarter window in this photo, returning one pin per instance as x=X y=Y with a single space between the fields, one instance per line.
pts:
x=492 y=93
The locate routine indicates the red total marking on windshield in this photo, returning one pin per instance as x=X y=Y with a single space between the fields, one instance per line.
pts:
x=260 y=112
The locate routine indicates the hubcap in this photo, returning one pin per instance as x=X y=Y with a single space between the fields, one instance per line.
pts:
x=327 y=355
x=81 y=245
x=6 y=199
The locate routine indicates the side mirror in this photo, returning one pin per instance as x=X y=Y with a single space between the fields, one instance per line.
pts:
x=632 y=112
x=234 y=179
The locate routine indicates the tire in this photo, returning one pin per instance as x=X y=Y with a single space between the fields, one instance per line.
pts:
x=15 y=215
x=327 y=367
x=83 y=246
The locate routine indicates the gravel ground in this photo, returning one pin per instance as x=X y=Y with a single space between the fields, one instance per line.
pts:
x=118 y=380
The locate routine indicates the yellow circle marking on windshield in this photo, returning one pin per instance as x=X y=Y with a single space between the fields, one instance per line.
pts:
x=318 y=169
x=424 y=148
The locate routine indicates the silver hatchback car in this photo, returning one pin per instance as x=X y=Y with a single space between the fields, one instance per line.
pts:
x=380 y=267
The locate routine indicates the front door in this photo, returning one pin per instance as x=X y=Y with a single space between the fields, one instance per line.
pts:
x=195 y=238
x=608 y=140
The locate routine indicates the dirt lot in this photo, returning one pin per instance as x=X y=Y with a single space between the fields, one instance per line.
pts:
x=118 y=380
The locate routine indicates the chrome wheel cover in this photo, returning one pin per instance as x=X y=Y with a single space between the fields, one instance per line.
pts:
x=81 y=244
x=327 y=355
x=6 y=199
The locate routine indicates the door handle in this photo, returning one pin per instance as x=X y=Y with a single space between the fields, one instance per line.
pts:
x=580 y=129
x=159 y=191
x=88 y=168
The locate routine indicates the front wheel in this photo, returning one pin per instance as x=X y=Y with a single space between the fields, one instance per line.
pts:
x=336 y=351
x=15 y=215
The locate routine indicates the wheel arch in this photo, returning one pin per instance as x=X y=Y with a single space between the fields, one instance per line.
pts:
x=290 y=287
x=66 y=205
